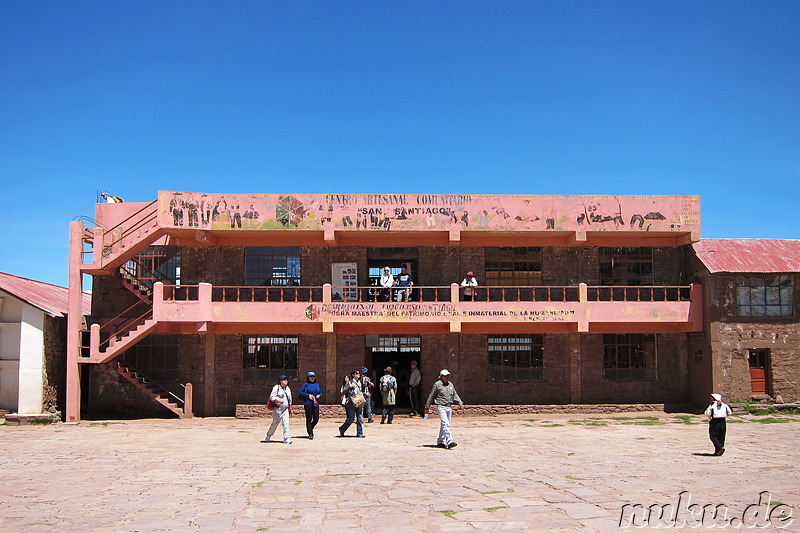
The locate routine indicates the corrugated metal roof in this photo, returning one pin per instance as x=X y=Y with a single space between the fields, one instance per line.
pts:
x=749 y=255
x=51 y=299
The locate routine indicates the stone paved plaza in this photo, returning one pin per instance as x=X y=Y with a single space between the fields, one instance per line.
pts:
x=509 y=473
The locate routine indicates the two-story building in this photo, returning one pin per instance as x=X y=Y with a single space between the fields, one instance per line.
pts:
x=581 y=299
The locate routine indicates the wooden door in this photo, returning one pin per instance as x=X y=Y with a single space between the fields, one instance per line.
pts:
x=758 y=371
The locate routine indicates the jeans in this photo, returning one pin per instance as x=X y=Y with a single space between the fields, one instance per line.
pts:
x=279 y=415
x=352 y=414
x=368 y=408
x=445 y=413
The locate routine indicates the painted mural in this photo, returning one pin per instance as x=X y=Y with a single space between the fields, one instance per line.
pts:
x=429 y=212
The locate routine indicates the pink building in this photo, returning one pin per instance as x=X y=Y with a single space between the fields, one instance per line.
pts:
x=209 y=297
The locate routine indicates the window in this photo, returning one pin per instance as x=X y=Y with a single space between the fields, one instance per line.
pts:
x=267 y=357
x=629 y=357
x=625 y=266
x=156 y=263
x=764 y=296
x=516 y=358
x=271 y=266
x=155 y=356
x=513 y=266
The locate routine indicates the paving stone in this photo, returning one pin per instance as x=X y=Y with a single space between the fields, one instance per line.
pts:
x=211 y=475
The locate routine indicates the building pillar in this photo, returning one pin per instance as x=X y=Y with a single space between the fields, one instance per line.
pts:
x=74 y=322
x=209 y=381
x=332 y=379
x=575 y=368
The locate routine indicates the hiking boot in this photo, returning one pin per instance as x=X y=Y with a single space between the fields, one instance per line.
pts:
x=452 y=445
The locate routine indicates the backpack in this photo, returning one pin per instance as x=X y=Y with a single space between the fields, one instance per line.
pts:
x=385 y=384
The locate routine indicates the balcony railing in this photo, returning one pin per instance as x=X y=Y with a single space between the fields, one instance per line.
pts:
x=371 y=294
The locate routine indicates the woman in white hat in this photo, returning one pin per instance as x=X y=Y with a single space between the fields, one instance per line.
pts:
x=717 y=412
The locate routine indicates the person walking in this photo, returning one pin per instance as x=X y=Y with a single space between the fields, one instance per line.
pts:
x=351 y=389
x=414 y=382
x=388 y=386
x=444 y=395
x=281 y=397
x=366 y=386
x=717 y=412
x=311 y=393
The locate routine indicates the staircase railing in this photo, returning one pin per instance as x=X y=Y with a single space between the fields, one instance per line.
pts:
x=158 y=389
x=124 y=324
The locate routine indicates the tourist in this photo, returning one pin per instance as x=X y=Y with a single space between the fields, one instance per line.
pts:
x=366 y=385
x=717 y=412
x=469 y=283
x=388 y=386
x=353 y=401
x=405 y=281
x=281 y=398
x=387 y=282
x=310 y=393
x=444 y=395
x=414 y=382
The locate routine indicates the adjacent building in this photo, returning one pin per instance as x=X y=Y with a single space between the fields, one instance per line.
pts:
x=33 y=335
x=750 y=344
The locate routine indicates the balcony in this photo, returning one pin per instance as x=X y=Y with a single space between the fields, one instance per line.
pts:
x=326 y=309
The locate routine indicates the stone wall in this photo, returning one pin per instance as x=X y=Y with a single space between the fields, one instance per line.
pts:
x=55 y=364
x=336 y=411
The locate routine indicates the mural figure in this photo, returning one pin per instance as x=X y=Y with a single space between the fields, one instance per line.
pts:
x=176 y=208
x=236 y=216
x=191 y=209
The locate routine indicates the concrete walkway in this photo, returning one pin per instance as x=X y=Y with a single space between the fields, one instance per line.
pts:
x=510 y=473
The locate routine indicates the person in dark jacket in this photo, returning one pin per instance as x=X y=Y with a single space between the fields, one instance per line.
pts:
x=311 y=393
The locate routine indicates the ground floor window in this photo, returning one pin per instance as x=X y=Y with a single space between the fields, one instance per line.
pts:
x=630 y=357
x=516 y=357
x=156 y=357
x=267 y=357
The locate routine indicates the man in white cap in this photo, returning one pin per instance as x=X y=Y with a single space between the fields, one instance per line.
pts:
x=717 y=412
x=444 y=395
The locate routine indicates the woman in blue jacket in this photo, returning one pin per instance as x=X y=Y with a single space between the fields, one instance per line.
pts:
x=310 y=393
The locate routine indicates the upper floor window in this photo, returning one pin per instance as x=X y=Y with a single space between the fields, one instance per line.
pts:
x=623 y=266
x=630 y=356
x=156 y=263
x=516 y=357
x=271 y=265
x=267 y=357
x=513 y=265
x=764 y=296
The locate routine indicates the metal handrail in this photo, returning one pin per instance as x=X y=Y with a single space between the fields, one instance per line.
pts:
x=148 y=217
x=125 y=364
x=127 y=328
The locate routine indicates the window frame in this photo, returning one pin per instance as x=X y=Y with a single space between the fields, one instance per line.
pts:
x=508 y=345
x=636 y=262
x=262 y=263
x=513 y=266
x=258 y=366
x=630 y=357
x=767 y=285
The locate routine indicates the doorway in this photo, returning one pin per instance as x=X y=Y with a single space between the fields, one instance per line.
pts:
x=395 y=258
x=759 y=364
x=396 y=351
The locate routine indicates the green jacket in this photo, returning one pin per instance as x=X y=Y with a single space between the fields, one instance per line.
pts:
x=442 y=394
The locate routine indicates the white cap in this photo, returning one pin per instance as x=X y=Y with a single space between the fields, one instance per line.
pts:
x=444 y=372
x=717 y=397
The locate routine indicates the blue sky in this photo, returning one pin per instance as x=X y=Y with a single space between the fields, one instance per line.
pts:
x=514 y=97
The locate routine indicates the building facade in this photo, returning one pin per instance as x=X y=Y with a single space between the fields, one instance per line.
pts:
x=581 y=299
x=33 y=334
x=750 y=344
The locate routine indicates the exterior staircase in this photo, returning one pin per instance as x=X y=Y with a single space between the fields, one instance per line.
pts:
x=119 y=342
x=181 y=407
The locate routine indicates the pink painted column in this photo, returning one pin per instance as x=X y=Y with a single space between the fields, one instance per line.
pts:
x=74 y=322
